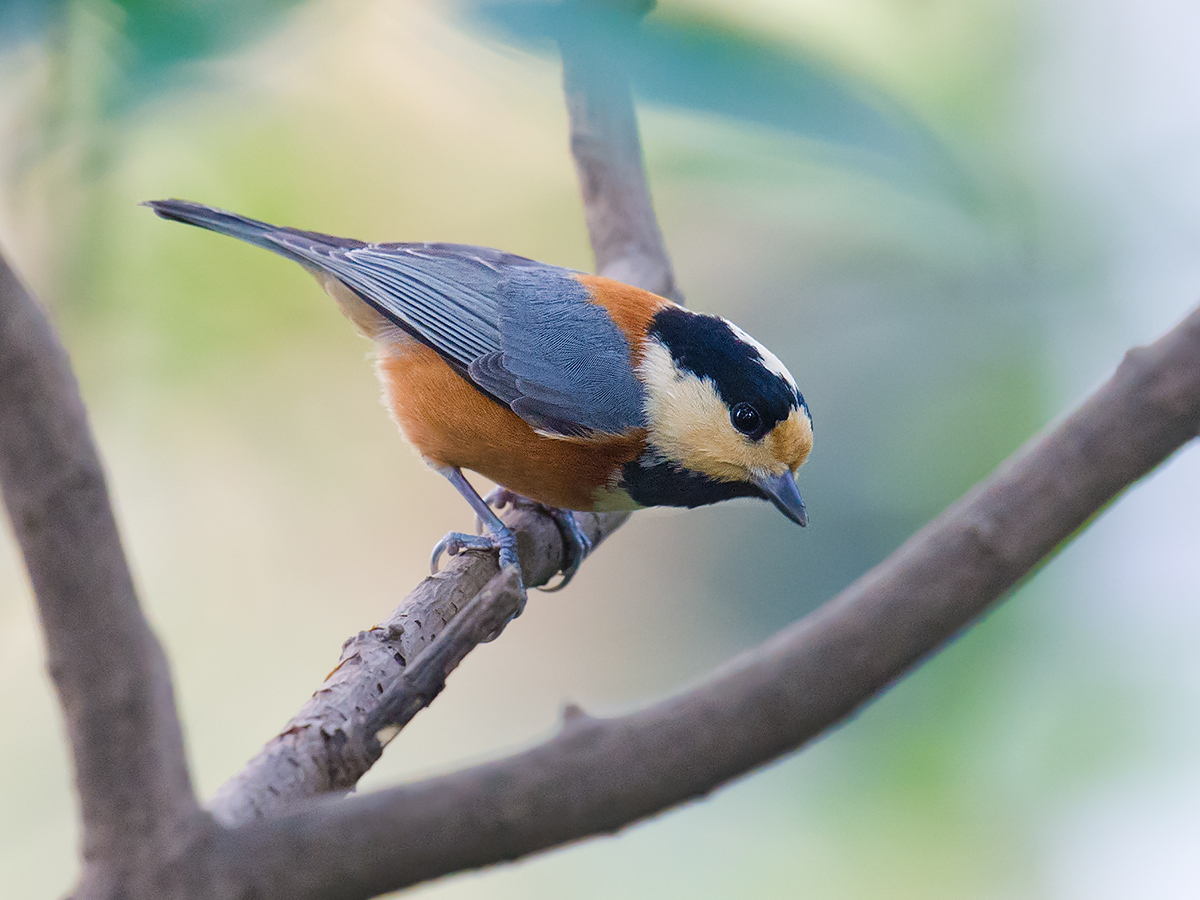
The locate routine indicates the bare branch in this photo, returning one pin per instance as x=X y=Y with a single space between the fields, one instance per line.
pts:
x=599 y=775
x=388 y=674
x=109 y=669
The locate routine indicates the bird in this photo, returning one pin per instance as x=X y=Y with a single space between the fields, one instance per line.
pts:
x=572 y=392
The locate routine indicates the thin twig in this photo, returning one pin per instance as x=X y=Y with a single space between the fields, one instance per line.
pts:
x=626 y=239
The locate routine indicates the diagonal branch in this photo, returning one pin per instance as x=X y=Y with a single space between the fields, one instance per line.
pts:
x=109 y=669
x=388 y=674
x=599 y=775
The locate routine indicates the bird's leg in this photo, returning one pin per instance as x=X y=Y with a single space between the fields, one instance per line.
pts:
x=576 y=544
x=498 y=537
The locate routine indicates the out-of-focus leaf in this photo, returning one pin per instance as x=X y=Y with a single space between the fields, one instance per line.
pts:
x=164 y=33
x=21 y=19
x=709 y=66
x=157 y=35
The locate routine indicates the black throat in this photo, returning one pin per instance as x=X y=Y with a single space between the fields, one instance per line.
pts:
x=653 y=481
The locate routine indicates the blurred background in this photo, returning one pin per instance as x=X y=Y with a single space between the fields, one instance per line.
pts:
x=949 y=218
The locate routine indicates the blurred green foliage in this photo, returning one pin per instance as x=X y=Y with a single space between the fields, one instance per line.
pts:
x=157 y=35
x=701 y=63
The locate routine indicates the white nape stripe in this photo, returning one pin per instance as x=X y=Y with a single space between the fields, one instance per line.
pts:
x=770 y=361
x=688 y=422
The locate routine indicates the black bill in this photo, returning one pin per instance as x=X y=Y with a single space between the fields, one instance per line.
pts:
x=782 y=491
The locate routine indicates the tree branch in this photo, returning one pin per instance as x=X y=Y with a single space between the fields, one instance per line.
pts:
x=599 y=775
x=108 y=668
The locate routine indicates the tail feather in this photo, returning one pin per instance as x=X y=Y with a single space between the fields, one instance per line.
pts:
x=246 y=229
x=252 y=231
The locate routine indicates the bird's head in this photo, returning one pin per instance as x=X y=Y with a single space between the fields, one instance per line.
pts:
x=720 y=404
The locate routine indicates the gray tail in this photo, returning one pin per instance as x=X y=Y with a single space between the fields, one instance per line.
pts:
x=249 y=230
x=305 y=247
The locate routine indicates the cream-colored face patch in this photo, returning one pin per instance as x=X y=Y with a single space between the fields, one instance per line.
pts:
x=689 y=423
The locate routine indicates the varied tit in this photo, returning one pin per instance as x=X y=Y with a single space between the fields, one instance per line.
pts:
x=574 y=391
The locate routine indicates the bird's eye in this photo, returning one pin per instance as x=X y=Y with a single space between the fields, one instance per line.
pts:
x=745 y=418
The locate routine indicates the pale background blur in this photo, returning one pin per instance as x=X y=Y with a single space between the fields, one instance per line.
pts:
x=936 y=315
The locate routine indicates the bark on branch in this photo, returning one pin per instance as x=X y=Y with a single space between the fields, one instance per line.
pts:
x=388 y=674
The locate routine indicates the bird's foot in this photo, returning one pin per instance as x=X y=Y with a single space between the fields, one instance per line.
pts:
x=456 y=542
x=504 y=541
x=576 y=544
x=496 y=537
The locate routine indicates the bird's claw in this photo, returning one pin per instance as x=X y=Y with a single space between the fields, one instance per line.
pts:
x=576 y=544
x=456 y=542
x=505 y=542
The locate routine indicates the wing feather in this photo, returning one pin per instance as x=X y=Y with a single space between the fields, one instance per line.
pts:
x=570 y=361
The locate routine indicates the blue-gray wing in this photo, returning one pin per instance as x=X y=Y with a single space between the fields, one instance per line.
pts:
x=569 y=364
x=523 y=332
